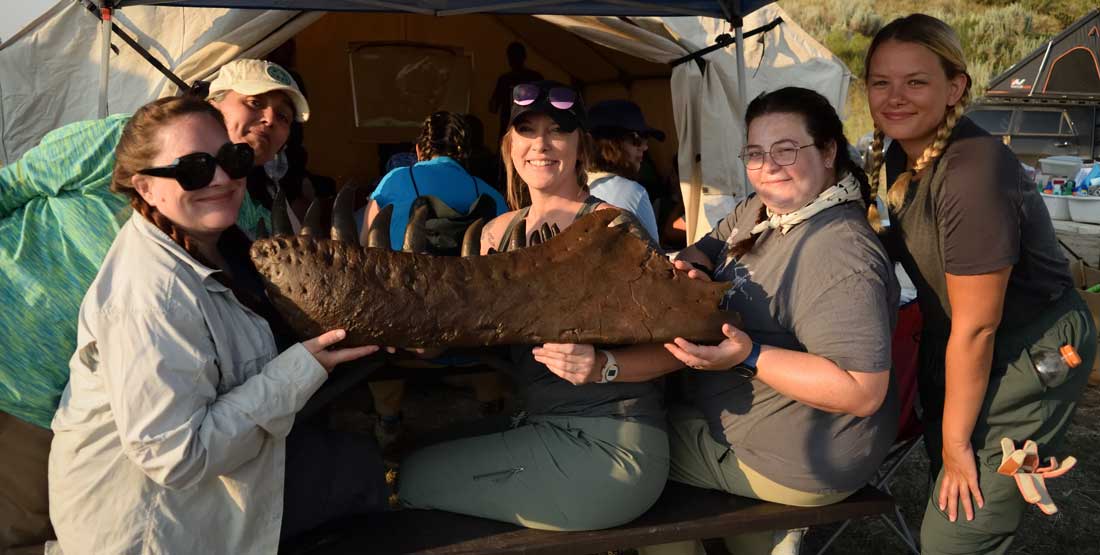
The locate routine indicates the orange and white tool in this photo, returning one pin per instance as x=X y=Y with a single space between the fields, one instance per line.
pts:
x=1023 y=465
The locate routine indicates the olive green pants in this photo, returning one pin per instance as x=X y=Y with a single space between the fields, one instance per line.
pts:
x=24 y=499
x=1017 y=406
x=550 y=473
x=700 y=461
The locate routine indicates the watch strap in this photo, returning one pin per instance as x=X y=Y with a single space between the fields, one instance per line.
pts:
x=754 y=354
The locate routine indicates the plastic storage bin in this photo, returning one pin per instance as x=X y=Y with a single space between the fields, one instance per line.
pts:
x=1084 y=209
x=1061 y=166
x=1057 y=206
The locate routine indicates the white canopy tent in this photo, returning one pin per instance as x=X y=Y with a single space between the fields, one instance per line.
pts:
x=49 y=72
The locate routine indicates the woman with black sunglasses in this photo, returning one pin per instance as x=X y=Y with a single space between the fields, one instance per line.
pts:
x=581 y=457
x=172 y=434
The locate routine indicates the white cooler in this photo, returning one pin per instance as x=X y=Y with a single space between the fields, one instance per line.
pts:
x=1083 y=209
x=1057 y=206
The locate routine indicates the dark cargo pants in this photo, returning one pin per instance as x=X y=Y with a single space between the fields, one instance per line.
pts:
x=1018 y=406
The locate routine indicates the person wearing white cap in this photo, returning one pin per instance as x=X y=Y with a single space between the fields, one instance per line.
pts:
x=259 y=100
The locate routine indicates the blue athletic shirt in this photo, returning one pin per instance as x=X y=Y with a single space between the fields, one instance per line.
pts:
x=442 y=177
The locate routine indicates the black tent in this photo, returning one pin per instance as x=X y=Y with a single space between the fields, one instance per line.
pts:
x=1066 y=67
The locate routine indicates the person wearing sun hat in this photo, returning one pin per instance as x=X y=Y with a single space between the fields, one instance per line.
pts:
x=59 y=219
x=259 y=100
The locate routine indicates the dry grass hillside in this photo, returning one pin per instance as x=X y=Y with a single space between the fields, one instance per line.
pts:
x=994 y=33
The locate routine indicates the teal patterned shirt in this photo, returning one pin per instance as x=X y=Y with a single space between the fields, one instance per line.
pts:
x=58 y=218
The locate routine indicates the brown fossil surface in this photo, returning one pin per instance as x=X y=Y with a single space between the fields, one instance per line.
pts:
x=590 y=284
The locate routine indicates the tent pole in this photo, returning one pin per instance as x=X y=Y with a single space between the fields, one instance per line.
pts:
x=742 y=90
x=105 y=59
x=1042 y=65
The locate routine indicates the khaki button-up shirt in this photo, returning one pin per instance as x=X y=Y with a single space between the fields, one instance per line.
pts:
x=171 y=435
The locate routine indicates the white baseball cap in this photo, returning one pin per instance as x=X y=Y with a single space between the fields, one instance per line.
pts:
x=251 y=77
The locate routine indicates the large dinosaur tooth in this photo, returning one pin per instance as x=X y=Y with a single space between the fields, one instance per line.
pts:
x=416 y=235
x=545 y=233
x=312 y=225
x=590 y=284
x=378 y=234
x=280 y=216
x=261 y=229
x=471 y=240
x=519 y=236
x=343 y=219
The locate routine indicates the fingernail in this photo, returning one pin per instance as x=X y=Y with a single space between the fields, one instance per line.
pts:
x=341 y=334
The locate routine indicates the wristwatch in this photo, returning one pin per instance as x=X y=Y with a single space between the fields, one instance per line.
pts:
x=610 y=368
x=747 y=368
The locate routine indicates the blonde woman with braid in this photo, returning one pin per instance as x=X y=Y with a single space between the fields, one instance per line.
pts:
x=174 y=434
x=992 y=284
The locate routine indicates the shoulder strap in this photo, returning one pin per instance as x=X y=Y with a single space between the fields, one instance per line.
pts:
x=589 y=205
x=413 y=179
x=508 y=231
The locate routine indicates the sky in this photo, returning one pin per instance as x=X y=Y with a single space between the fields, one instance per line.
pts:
x=18 y=13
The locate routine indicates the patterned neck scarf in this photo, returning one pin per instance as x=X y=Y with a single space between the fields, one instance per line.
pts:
x=846 y=190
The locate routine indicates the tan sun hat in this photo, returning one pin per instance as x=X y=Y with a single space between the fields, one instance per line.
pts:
x=250 y=77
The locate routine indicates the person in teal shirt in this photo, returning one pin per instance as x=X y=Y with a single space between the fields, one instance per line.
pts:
x=58 y=218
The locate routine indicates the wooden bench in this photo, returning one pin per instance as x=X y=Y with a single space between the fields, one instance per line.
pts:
x=682 y=513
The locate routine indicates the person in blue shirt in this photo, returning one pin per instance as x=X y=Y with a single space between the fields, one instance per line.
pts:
x=442 y=149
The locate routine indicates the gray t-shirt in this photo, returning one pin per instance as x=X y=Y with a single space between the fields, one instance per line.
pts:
x=825 y=287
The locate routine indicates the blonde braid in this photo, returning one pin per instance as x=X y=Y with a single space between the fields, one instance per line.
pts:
x=896 y=196
x=877 y=159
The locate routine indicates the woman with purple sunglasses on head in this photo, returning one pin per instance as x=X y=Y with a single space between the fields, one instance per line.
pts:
x=172 y=434
x=581 y=457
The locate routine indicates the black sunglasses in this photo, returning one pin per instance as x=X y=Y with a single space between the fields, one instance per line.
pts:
x=196 y=170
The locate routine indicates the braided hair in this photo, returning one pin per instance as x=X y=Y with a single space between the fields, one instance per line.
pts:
x=137 y=147
x=940 y=38
x=822 y=124
x=445 y=134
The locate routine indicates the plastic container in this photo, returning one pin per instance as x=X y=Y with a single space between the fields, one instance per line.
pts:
x=1053 y=368
x=1062 y=166
x=1083 y=209
x=1057 y=206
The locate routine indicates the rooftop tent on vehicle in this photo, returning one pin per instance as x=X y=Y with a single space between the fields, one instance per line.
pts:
x=1065 y=67
x=705 y=99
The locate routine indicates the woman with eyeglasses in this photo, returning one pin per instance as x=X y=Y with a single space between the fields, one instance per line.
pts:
x=172 y=434
x=796 y=406
x=621 y=139
x=993 y=285
x=582 y=456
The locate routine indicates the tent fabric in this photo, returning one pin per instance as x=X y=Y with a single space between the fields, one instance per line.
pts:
x=707 y=8
x=783 y=56
x=1067 y=66
x=49 y=69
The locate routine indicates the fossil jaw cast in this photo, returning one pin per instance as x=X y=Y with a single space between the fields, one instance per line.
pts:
x=595 y=282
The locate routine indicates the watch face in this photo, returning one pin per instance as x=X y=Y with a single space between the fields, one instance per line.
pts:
x=611 y=373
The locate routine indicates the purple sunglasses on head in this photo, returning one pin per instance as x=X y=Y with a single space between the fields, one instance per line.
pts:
x=562 y=98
